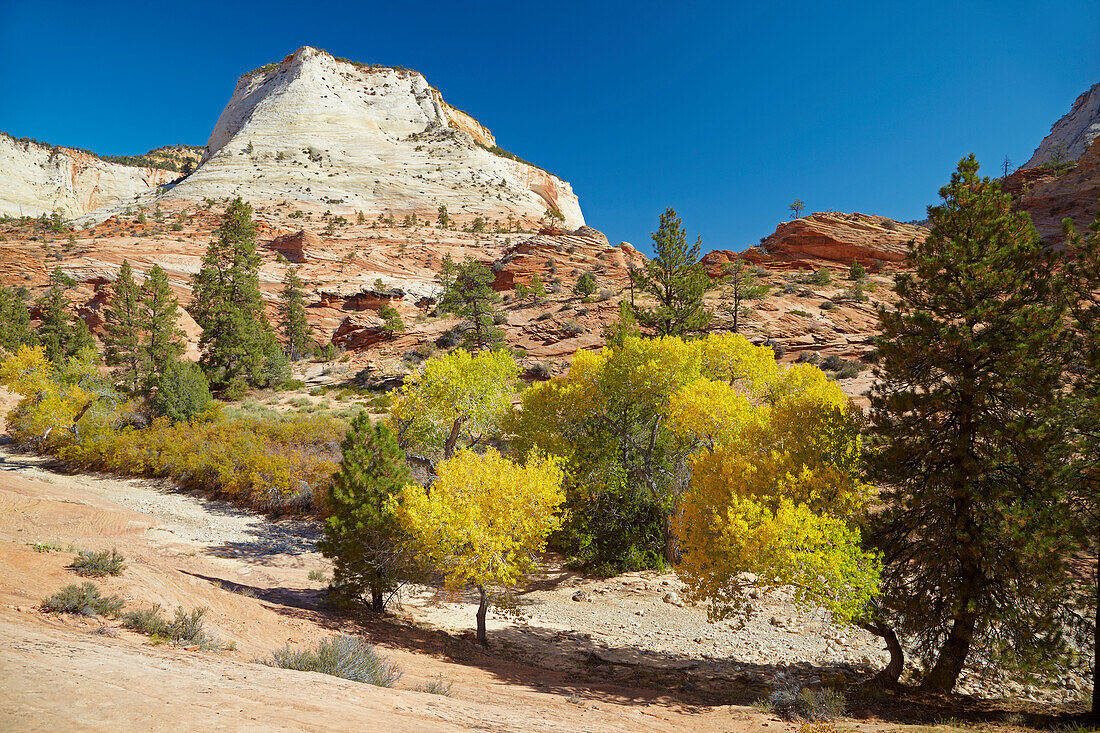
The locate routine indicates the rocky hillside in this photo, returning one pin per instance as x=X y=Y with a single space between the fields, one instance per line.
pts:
x=38 y=179
x=376 y=139
x=827 y=239
x=1072 y=135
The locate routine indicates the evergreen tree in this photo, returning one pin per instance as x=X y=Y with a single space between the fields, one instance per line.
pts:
x=1082 y=414
x=122 y=328
x=62 y=335
x=292 y=316
x=741 y=284
x=468 y=293
x=391 y=320
x=15 y=320
x=237 y=341
x=182 y=391
x=163 y=343
x=586 y=285
x=676 y=280
x=961 y=416
x=361 y=532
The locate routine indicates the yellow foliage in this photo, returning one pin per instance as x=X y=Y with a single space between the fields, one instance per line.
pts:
x=49 y=406
x=472 y=391
x=485 y=518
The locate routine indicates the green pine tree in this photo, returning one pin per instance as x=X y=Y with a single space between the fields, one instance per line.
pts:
x=468 y=293
x=122 y=327
x=237 y=341
x=362 y=535
x=163 y=337
x=15 y=320
x=293 y=325
x=677 y=281
x=961 y=419
x=391 y=319
x=62 y=334
x=741 y=284
x=1081 y=453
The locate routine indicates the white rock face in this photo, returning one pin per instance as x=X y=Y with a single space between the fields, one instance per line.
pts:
x=1071 y=136
x=364 y=138
x=37 y=179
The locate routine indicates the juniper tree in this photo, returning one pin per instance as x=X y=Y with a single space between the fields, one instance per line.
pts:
x=586 y=285
x=15 y=320
x=122 y=327
x=362 y=535
x=237 y=341
x=292 y=316
x=468 y=293
x=961 y=422
x=160 y=314
x=675 y=278
x=741 y=284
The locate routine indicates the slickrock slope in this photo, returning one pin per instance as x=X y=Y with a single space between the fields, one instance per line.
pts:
x=364 y=138
x=828 y=239
x=1072 y=135
x=36 y=179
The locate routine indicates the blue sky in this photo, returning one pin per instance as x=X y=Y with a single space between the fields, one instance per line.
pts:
x=725 y=111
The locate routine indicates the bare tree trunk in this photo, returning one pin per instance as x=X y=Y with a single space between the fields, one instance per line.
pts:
x=945 y=672
x=481 y=609
x=1096 y=641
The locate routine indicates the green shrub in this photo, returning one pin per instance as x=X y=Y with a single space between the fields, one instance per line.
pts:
x=98 y=564
x=83 y=599
x=856 y=271
x=146 y=621
x=187 y=629
x=820 y=277
x=341 y=656
x=828 y=305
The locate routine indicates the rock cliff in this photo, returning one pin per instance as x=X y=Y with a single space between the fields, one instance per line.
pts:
x=353 y=137
x=1072 y=135
x=36 y=179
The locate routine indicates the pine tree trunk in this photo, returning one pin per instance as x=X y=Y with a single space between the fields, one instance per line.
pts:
x=945 y=672
x=377 y=600
x=1096 y=641
x=481 y=609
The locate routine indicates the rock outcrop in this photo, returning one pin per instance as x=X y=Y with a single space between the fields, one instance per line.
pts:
x=1050 y=196
x=1072 y=135
x=38 y=179
x=353 y=137
x=827 y=239
x=564 y=257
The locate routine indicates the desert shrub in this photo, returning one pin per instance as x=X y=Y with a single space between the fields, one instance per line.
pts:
x=500 y=318
x=828 y=305
x=856 y=271
x=544 y=315
x=832 y=363
x=267 y=461
x=808 y=357
x=341 y=656
x=605 y=295
x=182 y=392
x=791 y=701
x=98 y=564
x=146 y=621
x=186 y=629
x=539 y=370
x=572 y=328
x=449 y=339
x=437 y=686
x=83 y=599
x=820 y=277
x=777 y=348
x=789 y=288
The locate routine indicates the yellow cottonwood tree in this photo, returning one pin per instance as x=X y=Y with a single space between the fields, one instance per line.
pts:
x=458 y=400
x=776 y=492
x=52 y=400
x=484 y=520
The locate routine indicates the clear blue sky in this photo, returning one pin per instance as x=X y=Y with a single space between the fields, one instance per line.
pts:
x=725 y=111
